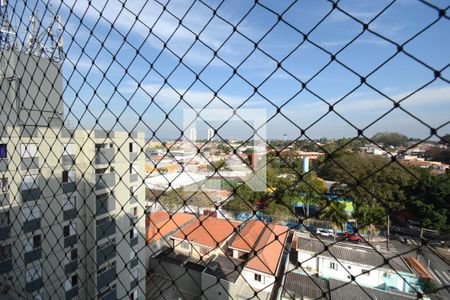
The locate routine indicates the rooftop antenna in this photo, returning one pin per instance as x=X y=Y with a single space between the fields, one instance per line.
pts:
x=36 y=43
x=6 y=30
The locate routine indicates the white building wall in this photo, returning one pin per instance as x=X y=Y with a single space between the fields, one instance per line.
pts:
x=266 y=283
x=307 y=261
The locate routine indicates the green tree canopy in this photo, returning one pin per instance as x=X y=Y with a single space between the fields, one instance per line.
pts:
x=371 y=181
x=390 y=139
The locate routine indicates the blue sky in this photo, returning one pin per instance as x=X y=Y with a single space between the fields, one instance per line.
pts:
x=133 y=86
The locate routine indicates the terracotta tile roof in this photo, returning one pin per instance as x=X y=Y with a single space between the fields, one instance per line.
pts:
x=210 y=232
x=248 y=236
x=269 y=249
x=158 y=224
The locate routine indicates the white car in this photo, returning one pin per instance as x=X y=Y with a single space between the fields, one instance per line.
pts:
x=325 y=232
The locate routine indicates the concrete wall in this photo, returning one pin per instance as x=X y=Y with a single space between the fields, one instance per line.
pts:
x=33 y=88
x=188 y=281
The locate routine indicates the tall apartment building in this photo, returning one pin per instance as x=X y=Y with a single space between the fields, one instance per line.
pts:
x=71 y=219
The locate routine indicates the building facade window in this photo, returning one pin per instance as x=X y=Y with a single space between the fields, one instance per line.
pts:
x=106 y=268
x=33 y=243
x=70 y=203
x=5 y=252
x=133 y=168
x=31 y=213
x=28 y=150
x=33 y=272
x=3 y=185
x=68 y=176
x=4 y=219
x=3 y=151
x=134 y=274
x=133 y=191
x=333 y=266
x=258 y=278
x=73 y=255
x=134 y=295
x=70 y=230
x=68 y=149
x=133 y=233
x=71 y=282
x=29 y=182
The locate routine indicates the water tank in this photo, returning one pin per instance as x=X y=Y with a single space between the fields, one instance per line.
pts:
x=306 y=164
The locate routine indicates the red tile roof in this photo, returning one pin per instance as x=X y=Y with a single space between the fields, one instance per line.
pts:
x=159 y=224
x=207 y=231
x=269 y=249
x=248 y=236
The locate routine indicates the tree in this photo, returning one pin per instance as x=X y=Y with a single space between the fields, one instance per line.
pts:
x=244 y=199
x=430 y=200
x=171 y=200
x=370 y=181
x=216 y=165
x=445 y=140
x=390 y=139
x=333 y=211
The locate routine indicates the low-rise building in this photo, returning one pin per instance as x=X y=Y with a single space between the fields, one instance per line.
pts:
x=300 y=286
x=230 y=260
x=345 y=262
x=160 y=225
x=205 y=237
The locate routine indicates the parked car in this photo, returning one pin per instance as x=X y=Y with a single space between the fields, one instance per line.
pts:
x=352 y=237
x=324 y=232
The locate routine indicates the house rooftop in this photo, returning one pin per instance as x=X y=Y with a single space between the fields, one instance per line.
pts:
x=303 y=286
x=207 y=231
x=269 y=249
x=224 y=267
x=353 y=253
x=162 y=223
x=248 y=236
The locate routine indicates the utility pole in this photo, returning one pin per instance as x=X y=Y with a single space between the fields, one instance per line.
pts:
x=388 y=232
x=420 y=247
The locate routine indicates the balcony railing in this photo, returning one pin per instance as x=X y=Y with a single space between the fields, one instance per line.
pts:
x=31 y=225
x=5 y=232
x=72 y=293
x=4 y=164
x=31 y=194
x=5 y=265
x=70 y=214
x=104 y=156
x=68 y=187
x=30 y=163
x=68 y=160
x=105 y=254
x=106 y=180
x=133 y=177
x=106 y=229
x=33 y=255
x=70 y=240
x=111 y=295
x=4 y=199
x=105 y=278
x=134 y=241
x=104 y=205
x=71 y=266
x=34 y=285
x=133 y=156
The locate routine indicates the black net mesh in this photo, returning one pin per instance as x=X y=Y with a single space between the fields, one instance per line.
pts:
x=224 y=149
